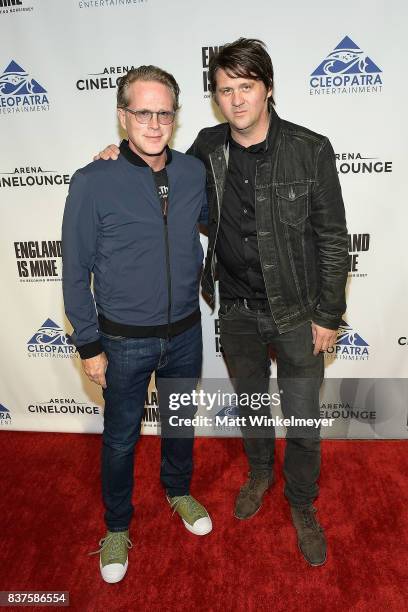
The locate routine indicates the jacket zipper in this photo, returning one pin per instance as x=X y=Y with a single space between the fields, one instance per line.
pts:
x=164 y=207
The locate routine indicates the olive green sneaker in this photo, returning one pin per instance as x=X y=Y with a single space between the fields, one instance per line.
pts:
x=113 y=553
x=193 y=514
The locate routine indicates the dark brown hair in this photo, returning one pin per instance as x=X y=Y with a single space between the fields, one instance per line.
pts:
x=146 y=73
x=245 y=58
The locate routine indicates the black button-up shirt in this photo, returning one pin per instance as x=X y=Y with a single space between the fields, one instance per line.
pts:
x=239 y=266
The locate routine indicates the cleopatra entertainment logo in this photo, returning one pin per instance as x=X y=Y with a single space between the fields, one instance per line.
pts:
x=226 y=419
x=32 y=176
x=14 y=6
x=349 y=345
x=346 y=70
x=39 y=260
x=103 y=4
x=51 y=341
x=403 y=341
x=357 y=163
x=56 y=405
x=5 y=416
x=108 y=78
x=20 y=93
x=358 y=246
x=206 y=54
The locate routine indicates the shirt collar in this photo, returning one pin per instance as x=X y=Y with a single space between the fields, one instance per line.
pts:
x=135 y=159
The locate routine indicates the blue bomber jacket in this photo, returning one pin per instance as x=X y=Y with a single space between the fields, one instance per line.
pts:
x=146 y=264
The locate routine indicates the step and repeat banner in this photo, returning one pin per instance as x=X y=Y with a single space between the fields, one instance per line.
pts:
x=338 y=73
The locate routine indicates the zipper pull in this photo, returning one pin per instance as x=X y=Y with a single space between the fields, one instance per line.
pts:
x=165 y=207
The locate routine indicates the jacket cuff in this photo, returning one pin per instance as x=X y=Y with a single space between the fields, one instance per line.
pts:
x=327 y=321
x=92 y=349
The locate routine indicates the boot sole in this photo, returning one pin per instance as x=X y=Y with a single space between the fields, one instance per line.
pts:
x=309 y=562
x=245 y=518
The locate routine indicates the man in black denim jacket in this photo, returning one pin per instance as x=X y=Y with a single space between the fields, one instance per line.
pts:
x=277 y=240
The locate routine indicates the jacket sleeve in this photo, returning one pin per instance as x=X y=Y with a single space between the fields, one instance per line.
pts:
x=329 y=225
x=203 y=219
x=79 y=236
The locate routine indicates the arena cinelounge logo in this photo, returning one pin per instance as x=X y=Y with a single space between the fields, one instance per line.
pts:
x=32 y=176
x=356 y=163
x=51 y=341
x=20 y=93
x=108 y=78
x=346 y=70
x=63 y=406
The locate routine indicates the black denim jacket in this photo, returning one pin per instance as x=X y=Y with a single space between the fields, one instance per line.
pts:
x=300 y=220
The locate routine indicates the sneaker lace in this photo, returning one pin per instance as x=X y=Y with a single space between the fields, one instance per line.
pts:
x=251 y=483
x=113 y=543
x=193 y=508
x=309 y=520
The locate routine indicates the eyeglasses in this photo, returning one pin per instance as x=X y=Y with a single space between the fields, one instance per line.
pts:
x=145 y=116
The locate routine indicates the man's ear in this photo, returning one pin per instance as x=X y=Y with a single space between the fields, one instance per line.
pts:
x=122 y=118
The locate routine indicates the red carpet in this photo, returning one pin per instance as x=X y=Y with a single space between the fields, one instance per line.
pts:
x=51 y=517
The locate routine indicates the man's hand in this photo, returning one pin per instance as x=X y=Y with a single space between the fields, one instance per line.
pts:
x=110 y=152
x=95 y=369
x=323 y=338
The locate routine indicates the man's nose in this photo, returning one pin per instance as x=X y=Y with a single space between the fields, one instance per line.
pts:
x=237 y=98
x=154 y=122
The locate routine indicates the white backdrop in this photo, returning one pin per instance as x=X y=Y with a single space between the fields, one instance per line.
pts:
x=339 y=74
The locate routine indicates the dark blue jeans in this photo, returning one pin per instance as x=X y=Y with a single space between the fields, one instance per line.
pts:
x=246 y=336
x=131 y=361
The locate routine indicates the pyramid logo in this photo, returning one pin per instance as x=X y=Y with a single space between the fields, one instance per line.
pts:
x=347 y=337
x=347 y=58
x=229 y=411
x=5 y=416
x=349 y=344
x=19 y=91
x=15 y=81
x=50 y=340
x=347 y=69
x=50 y=333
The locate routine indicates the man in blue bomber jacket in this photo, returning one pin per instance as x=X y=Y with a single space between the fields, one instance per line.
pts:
x=133 y=224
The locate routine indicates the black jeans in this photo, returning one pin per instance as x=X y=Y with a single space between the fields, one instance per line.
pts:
x=245 y=338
